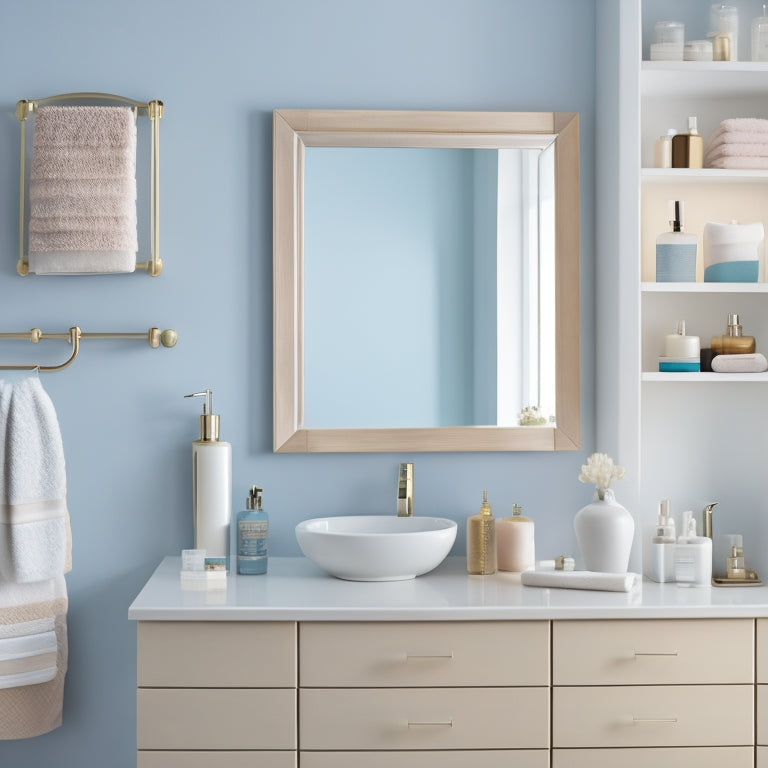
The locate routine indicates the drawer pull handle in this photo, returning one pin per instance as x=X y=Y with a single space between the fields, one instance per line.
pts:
x=433 y=723
x=640 y=653
x=410 y=656
x=653 y=720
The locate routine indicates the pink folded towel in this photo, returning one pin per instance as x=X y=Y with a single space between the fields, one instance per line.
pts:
x=740 y=163
x=745 y=124
x=82 y=190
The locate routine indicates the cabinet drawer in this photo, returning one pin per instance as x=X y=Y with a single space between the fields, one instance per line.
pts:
x=761 y=760
x=762 y=651
x=658 y=757
x=762 y=715
x=210 y=718
x=663 y=651
x=519 y=758
x=647 y=715
x=423 y=718
x=429 y=654
x=217 y=654
x=207 y=759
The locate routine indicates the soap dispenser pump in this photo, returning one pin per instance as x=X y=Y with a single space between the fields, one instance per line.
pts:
x=252 y=531
x=211 y=483
x=481 y=541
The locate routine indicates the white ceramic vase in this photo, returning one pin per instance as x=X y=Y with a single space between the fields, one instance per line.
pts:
x=604 y=530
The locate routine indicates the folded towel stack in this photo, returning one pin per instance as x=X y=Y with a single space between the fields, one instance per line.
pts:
x=739 y=143
x=35 y=553
x=82 y=191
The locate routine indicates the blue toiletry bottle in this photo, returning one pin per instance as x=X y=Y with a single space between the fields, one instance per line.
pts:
x=252 y=529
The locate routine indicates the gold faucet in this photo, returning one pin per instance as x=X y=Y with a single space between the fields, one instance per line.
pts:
x=708 y=518
x=405 y=491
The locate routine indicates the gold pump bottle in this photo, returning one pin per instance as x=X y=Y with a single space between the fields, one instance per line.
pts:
x=688 y=148
x=734 y=342
x=481 y=541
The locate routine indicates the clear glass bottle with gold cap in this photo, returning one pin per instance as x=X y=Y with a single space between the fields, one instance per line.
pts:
x=481 y=540
x=514 y=542
x=734 y=342
x=211 y=483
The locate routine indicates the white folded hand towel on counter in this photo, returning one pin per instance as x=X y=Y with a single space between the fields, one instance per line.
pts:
x=606 y=582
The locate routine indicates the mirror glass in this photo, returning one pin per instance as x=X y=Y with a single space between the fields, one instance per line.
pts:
x=426 y=280
x=428 y=286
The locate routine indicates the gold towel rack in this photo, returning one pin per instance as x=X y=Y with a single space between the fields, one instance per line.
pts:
x=154 y=336
x=154 y=110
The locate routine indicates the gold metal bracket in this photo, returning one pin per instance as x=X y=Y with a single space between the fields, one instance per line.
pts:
x=154 y=336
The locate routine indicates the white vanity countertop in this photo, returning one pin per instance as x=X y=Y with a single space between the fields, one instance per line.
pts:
x=297 y=590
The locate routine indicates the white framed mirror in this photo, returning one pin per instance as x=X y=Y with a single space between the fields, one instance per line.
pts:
x=426 y=280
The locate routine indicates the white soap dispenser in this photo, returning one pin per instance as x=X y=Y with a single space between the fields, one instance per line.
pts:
x=211 y=484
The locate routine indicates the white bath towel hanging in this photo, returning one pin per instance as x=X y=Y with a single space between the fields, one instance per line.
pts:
x=35 y=538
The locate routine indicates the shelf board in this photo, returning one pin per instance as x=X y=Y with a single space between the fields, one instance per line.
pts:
x=698 y=378
x=721 y=175
x=698 y=79
x=704 y=287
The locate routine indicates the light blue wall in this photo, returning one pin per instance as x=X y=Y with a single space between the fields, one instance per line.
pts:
x=221 y=69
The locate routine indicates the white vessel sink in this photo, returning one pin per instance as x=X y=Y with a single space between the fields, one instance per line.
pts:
x=376 y=547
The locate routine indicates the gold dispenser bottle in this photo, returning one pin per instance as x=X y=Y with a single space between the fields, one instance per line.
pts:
x=688 y=148
x=734 y=342
x=481 y=541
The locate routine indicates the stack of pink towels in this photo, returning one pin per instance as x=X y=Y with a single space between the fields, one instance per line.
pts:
x=739 y=143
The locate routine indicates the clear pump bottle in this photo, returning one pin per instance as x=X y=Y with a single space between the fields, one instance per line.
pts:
x=760 y=36
x=252 y=531
x=481 y=541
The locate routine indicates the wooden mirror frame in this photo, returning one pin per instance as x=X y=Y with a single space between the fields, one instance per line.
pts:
x=296 y=129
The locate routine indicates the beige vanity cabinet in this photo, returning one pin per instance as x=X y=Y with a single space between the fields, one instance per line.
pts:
x=762 y=693
x=668 y=693
x=403 y=694
x=216 y=693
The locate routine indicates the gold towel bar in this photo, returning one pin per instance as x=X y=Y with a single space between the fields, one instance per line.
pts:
x=154 y=336
x=154 y=110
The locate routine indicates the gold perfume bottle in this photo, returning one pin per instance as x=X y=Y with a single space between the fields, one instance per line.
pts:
x=734 y=342
x=688 y=148
x=481 y=541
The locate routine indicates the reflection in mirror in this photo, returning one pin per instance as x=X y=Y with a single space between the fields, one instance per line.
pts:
x=426 y=274
x=448 y=254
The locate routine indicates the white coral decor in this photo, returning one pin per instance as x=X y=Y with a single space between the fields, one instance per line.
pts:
x=600 y=470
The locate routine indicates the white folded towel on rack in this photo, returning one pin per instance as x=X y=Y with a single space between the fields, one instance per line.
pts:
x=82 y=190
x=35 y=537
x=607 y=582
x=32 y=666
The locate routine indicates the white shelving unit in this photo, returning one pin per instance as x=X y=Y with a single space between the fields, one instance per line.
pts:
x=692 y=438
